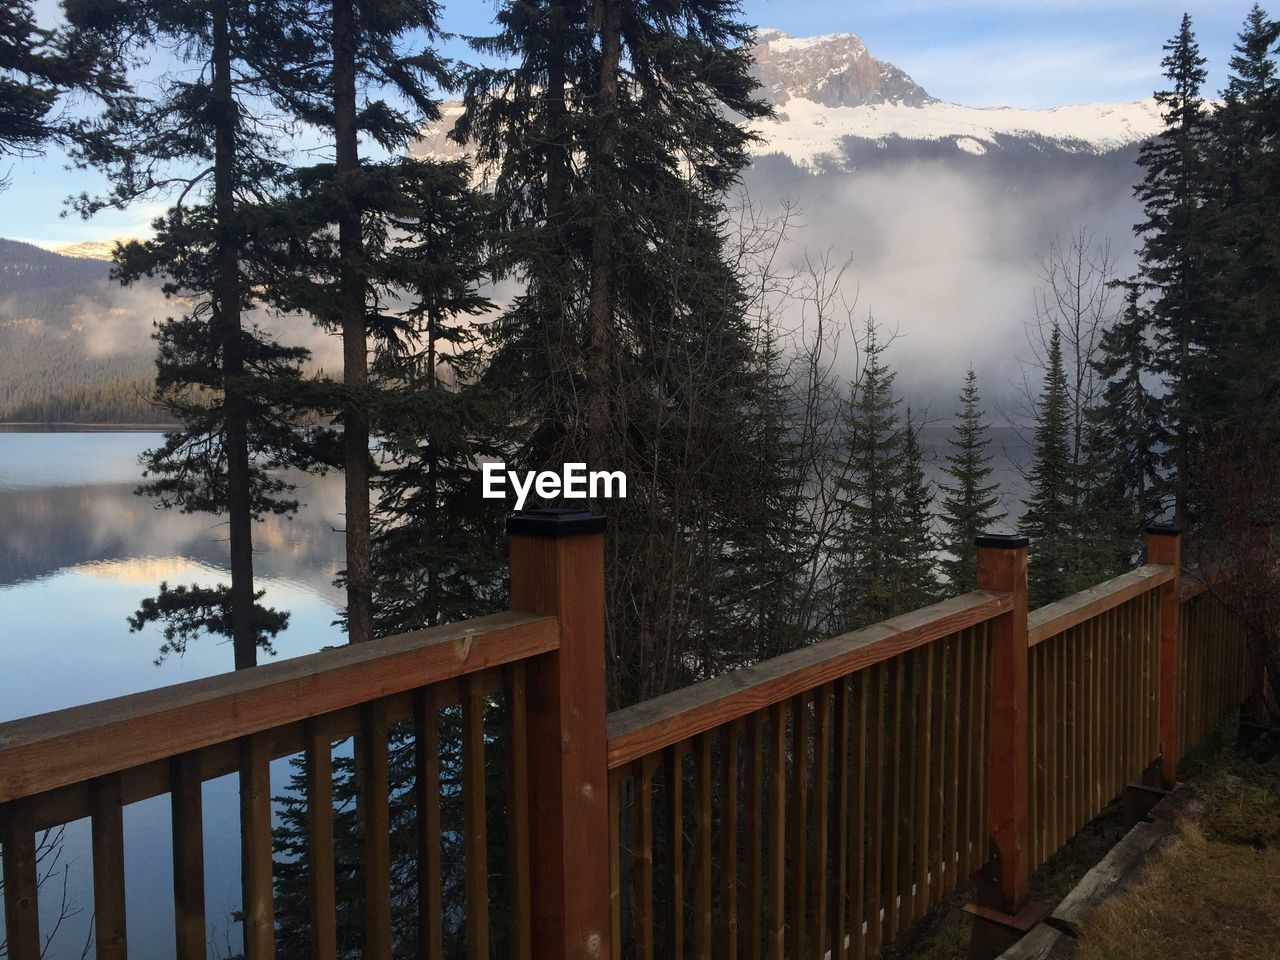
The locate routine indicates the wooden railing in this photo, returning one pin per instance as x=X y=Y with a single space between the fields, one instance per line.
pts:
x=808 y=806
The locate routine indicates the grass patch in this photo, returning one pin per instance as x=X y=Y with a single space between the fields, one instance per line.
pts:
x=1202 y=898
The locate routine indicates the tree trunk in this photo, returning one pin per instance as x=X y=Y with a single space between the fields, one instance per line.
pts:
x=599 y=343
x=355 y=358
x=227 y=312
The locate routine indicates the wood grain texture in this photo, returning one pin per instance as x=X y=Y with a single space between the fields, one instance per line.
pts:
x=78 y=744
x=649 y=726
x=21 y=886
x=255 y=850
x=1168 y=550
x=187 y=822
x=1054 y=618
x=321 y=883
x=107 y=829
x=568 y=775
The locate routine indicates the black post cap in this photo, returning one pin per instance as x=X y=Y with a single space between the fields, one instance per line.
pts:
x=1163 y=530
x=1002 y=541
x=555 y=522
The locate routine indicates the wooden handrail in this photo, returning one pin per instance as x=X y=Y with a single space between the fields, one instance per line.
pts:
x=654 y=724
x=69 y=746
x=1060 y=616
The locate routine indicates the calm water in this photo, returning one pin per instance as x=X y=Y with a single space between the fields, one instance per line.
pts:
x=78 y=551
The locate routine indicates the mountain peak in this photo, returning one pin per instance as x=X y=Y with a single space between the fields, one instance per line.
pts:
x=834 y=70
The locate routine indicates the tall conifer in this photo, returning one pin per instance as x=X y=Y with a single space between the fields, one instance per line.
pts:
x=1048 y=519
x=969 y=503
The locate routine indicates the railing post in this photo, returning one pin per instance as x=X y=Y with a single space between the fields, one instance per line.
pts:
x=1003 y=912
x=557 y=567
x=1164 y=547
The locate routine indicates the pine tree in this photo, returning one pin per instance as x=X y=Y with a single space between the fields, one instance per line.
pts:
x=207 y=142
x=608 y=137
x=916 y=577
x=1049 y=516
x=1127 y=435
x=1177 y=262
x=870 y=505
x=970 y=504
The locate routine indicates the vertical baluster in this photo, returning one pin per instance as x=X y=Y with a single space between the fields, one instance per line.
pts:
x=426 y=756
x=373 y=788
x=955 y=764
x=755 y=838
x=839 y=913
x=941 y=680
x=821 y=808
x=255 y=848
x=875 y=885
x=643 y=774
x=777 y=831
x=475 y=824
x=923 y=763
x=615 y=864
x=729 y=839
x=675 y=819
x=861 y=830
x=799 y=823
x=894 y=812
x=972 y=767
x=108 y=868
x=187 y=820
x=702 y=882
x=21 y=886
x=518 y=814
x=321 y=894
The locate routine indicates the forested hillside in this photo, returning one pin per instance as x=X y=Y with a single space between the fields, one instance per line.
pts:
x=74 y=346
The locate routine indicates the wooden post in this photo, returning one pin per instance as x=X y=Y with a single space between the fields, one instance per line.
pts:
x=557 y=567
x=1003 y=912
x=1164 y=547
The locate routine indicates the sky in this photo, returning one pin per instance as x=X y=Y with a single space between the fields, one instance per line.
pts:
x=1026 y=53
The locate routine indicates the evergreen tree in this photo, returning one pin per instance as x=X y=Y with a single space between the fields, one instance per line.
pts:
x=206 y=141
x=1178 y=263
x=871 y=509
x=916 y=576
x=1049 y=516
x=969 y=503
x=1127 y=435
x=608 y=136
x=37 y=67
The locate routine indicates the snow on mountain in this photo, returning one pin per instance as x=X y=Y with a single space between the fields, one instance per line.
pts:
x=828 y=88
x=805 y=130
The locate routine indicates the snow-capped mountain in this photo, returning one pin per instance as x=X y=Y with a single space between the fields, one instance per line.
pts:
x=827 y=90
x=834 y=101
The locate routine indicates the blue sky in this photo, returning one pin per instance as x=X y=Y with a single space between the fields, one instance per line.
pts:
x=1031 y=53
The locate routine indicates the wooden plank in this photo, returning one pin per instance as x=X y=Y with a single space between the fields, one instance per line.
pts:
x=475 y=826
x=562 y=573
x=939 y=773
x=776 y=922
x=187 y=823
x=615 y=863
x=729 y=838
x=321 y=883
x=1117 y=872
x=1055 y=618
x=1167 y=549
x=373 y=812
x=81 y=743
x=1005 y=568
x=1042 y=943
x=702 y=881
x=953 y=774
x=426 y=726
x=107 y=828
x=893 y=819
x=518 y=811
x=21 y=882
x=875 y=887
x=923 y=763
x=649 y=726
x=675 y=839
x=821 y=811
x=643 y=776
x=255 y=849
x=838 y=912
x=755 y=839
x=799 y=821
x=860 y=830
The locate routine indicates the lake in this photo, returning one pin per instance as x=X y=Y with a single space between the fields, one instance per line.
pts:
x=79 y=551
